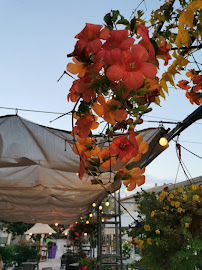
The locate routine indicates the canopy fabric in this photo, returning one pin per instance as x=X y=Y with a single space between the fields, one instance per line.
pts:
x=38 y=174
x=40 y=228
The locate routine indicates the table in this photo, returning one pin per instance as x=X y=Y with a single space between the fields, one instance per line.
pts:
x=43 y=251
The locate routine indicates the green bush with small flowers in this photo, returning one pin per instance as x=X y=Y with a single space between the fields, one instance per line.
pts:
x=168 y=232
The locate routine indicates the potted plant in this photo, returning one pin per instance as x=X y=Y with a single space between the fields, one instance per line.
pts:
x=168 y=232
x=52 y=249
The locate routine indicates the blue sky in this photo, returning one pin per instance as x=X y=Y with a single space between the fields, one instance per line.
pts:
x=35 y=39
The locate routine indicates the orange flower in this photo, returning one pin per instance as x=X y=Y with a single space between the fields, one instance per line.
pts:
x=124 y=148
x=106 y=159
x=194 y=97
x=145 y=42
x=109 y=110
x=137 y=179
x=164 y=49
x=84 y=125
x=76 y=68
x=89 y=40
x=82 y=87
x=183 y=84
x=133 y=69
x=73 y=95
x=112 y=49
x=86 y=144
x=143 y=148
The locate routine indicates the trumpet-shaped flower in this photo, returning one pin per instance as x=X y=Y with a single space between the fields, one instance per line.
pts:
x=111 y=110
x=76 y=68
x=106 y=159
x=123 y=147
x=143 y=148
x=137 y=179
x=145 y=42
x=83 y=87
x=89 y=40
x=88 y=145
x=114 y=45
x=164 y=49
x=134 y=68
x=84 y=125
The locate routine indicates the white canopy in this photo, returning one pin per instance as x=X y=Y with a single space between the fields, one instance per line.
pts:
x=40 y=228
x=38 y=174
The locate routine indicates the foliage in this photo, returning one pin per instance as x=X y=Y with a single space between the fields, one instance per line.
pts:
x=51 y=243
x=127 y=249
x=117 y=68
x=86 y=263
x=16 y=228
x=78 y=230
x=12 y=254
x=170 y=223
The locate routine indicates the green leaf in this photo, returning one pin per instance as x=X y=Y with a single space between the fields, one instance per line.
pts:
x=108 y=20
x=132 y=24
x=115 y=14
x=123 y=21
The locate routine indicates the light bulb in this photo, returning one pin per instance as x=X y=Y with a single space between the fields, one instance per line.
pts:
x=90 y=215
x=117 y=191
x=103 y=220
x=94 y=204
x=163 y=141
x=126 y=190
x=107 y=203
x=30 y=234
x=65 y=233
x=50 y=233
x=56 y=224
x=81 y=218
x=87 y=222
x=100 y=207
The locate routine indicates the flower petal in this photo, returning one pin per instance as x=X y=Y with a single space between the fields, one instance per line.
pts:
x=133 y=80
x=115 y=73
x=139 y=54
x=149 y=70
x=126 y=43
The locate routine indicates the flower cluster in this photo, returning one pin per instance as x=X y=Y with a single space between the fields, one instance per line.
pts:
x=194 y=93
x=170 y=224
x=78 y=230
x=87 y=264
x=116 y=82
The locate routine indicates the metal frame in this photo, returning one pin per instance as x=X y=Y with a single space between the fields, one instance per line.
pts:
x=118 y=239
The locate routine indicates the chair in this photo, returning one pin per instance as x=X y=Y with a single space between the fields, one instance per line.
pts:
x=27 y=266
x=33 y=260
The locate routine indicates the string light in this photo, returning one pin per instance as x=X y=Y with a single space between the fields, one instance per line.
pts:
x=163 y=141
x=87 y=222
x=50 y=233
x=65 y=233
x=103 y=220
x=81 y=218
x=126 y=190
x=100 y=207
x=56 y=224
x=107 y=203
x=117 y=191
x=93 y=204
x=90 y=215
x=30 y=234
